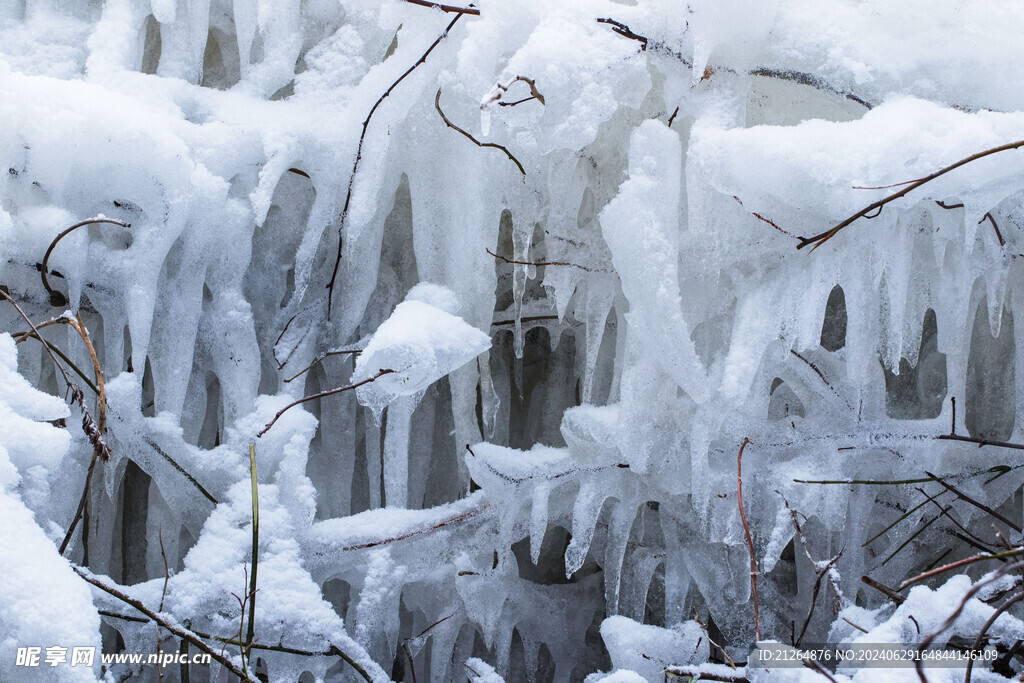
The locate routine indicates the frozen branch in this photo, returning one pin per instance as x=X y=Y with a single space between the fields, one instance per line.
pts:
x=184 y=634
x=447 y=121
x=322 y=394
x=359 y=150
x=56 y=298
x=866 y=212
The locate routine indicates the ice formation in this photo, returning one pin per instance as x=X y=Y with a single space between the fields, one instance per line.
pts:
x=581 y=317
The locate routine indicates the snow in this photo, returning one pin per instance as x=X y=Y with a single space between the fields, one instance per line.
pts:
x=557 y=356
x=42 y=602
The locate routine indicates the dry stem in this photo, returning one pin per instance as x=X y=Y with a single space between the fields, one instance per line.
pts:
x=750 y=541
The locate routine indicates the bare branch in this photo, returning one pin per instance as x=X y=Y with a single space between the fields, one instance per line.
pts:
x=437 y=106
x=446 y=8
x=981 y=506
x=56 y=298
x=322 y=394
x=359 y=150
x=182 y=633
x=959 y=563
x=820 y=239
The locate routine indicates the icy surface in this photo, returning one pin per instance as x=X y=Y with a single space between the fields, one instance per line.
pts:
x=561 y=334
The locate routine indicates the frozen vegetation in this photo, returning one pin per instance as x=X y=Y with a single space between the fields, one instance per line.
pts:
x=561 y=336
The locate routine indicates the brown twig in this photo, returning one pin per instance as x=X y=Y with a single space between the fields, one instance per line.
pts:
x=885 y=590
x=319 y=359
x=762 y=218
x=820 y=239
x=707 y=634
x=417 y=532
x=750 y=541
x=820 y=571
x=163 y=593
x=960 y=563
x=182 y=633
x=359 y=150
x=987 y=216
x=981 y=442
x=56 y=298
x=100 y=450
x=536 y=263
x=624 y=31
x=780 y=74
x=446 y=8
x=859 y=628
x=437 y=106
x=673 y=117
x=499 y=90
x=322 y=394
x=981 y=506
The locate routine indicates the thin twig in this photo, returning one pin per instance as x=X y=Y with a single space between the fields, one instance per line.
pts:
x=762 y=218
x=255 y=546
x=920 y=530
x=624 y=31
x=56 y=298
x=984 y=630
x=525 y=319
x=750 y=541
x=416 y=532
x=182 y=633
x=53 y=347
x=781 y=74
x=319 y=359
x=981 y=506
x=707 y=634
x=820 y=239
x=980 y=543
x=820 y=571
x=359 y=150
x=332 y=651
x=882 y=588
x=959 y=563
x=928 y=640
x=859 y=628
x=322 y=394
x=986 y=217
x=437 y=106
x=536 y=263
x=163 y=593
x=446 y=8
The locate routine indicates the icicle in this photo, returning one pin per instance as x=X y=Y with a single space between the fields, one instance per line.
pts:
x=585 y=512
x=373 y=465
x=619 y=527
x=538 y=519
x=521 y=239
x=396 y=450
x=485 y=121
